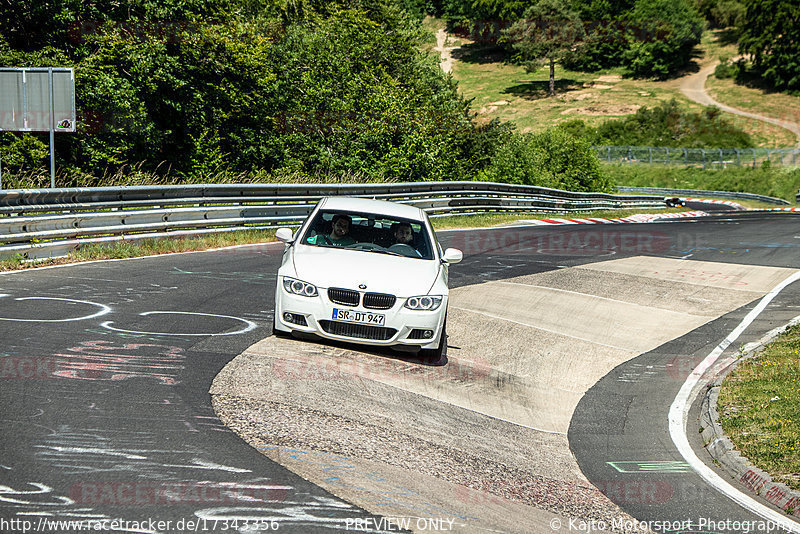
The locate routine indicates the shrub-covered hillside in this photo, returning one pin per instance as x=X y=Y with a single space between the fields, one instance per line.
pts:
x=256 y=89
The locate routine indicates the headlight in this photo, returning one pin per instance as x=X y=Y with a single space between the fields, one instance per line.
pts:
x=424 y=302
x=298 y=287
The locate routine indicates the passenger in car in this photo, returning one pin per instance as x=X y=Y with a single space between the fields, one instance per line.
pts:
x=340 y=234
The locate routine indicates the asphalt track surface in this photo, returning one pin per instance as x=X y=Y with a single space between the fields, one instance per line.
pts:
x=105 y=370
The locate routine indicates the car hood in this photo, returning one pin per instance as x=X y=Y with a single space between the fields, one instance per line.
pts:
x=381 y=273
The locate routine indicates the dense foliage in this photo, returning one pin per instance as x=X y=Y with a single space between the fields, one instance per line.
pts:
x=207 y=90
x=665 y=125
x=666 y=33
x=770 y=34
x=722 y=13
x=553 y=158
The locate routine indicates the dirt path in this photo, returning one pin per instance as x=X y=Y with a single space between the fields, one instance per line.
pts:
x=693 y=87
x=444 y=51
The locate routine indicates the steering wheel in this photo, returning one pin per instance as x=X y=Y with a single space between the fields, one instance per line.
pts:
x=405 y=250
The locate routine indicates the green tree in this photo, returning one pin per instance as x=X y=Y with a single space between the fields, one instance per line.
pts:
x=606 y=39
x=721 y=13
x=549 y=30
x=662 y=36
x=770 y=33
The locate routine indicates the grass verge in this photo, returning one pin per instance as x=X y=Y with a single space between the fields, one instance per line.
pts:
x=777 y=105
x=778 y=182
x=759 y=406
x=145 y=247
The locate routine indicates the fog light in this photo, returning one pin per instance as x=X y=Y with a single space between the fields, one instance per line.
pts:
x=419 y=333
x=295 y=318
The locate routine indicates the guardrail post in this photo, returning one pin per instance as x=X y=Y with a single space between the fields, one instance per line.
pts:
x=650 y=150
x=703 y=150
x=754 y=157
x=738 y=158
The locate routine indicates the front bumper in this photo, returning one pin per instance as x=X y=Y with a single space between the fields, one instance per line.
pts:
x=401 y=326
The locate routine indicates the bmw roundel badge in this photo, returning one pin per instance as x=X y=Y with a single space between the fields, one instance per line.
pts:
x=362 y=286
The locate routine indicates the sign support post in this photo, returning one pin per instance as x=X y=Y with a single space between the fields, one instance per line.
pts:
x=52 y=129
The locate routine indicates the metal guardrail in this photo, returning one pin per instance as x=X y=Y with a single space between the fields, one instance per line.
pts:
x=702 y=193
x=39 y=223
x=714 y=158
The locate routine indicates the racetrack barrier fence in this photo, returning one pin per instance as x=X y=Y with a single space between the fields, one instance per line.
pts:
x=706 y=158
x=41 y=223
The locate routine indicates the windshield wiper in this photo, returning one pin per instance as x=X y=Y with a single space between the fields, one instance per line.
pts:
x=390 y=252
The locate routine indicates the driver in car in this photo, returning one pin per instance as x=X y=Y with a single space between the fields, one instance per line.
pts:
x=339 y=236
x=403 y=234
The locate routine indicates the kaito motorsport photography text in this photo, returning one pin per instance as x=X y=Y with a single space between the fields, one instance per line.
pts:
x=703 y=524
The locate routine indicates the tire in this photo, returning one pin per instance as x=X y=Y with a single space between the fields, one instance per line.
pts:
x=435 y=355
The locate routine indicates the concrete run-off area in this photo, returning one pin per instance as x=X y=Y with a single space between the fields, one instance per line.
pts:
x=481 y=438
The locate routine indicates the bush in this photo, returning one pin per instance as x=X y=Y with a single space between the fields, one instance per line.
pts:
x=665 y=125
x=726 y=70
x=553 y=158
x=662 y=35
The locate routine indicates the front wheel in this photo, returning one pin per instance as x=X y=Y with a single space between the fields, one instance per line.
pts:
x=435 y=355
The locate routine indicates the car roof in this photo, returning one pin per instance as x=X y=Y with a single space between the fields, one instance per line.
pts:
x=378 y=207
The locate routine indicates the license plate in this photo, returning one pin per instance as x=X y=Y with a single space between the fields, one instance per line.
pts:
x=353 y=316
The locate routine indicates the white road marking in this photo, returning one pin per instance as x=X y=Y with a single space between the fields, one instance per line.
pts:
x=103 y=311
x=202 y=464
x=93 y=450
x=678 y=414
x=250 y=325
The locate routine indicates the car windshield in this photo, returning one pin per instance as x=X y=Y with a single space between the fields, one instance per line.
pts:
x=370 y=232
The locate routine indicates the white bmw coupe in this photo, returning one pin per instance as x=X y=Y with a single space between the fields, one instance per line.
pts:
x=365 y=271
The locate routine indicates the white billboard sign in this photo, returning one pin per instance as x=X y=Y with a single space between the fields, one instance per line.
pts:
x=27 y=96
x=38 y=99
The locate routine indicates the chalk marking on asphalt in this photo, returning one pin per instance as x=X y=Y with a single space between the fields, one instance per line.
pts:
x=679 y=410
x=250 y=325
x=103 y=311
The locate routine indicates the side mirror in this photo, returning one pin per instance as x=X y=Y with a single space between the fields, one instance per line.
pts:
x=452 y=255
x=285 y=234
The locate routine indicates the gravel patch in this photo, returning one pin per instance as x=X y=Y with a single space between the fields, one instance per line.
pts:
x=268 y=423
